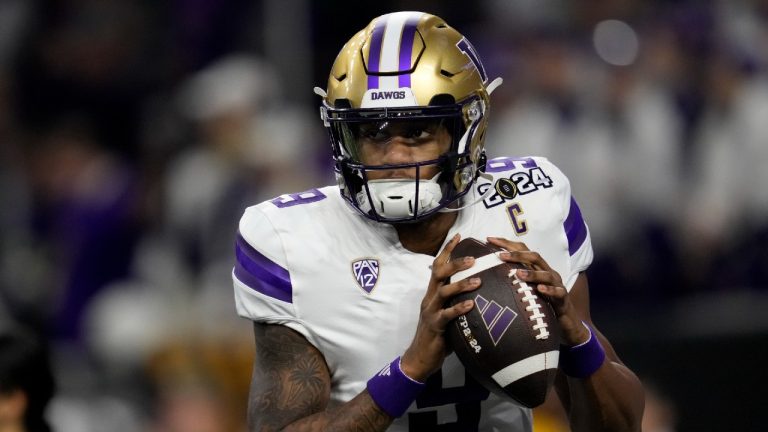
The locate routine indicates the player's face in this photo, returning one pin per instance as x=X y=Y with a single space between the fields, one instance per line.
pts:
x=402 y=142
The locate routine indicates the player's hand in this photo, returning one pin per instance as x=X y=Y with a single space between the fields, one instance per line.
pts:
x=549 y=284
x=428 y=349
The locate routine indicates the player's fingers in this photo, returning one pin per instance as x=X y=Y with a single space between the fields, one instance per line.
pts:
x=440 y=260
x=568 y=317
x=507 y=244
x=530 y=258
x=556 y=296
x=535 y=277
x=450 y=313
x=436 y=302
x=443 y=271
x=447 y=291
x=445 y=255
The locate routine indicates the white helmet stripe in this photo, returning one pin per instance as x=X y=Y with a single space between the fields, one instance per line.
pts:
x=396 y=36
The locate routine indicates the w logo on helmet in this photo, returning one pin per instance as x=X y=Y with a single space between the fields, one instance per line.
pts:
x=366 y=273
x=497 y=319
x=470 y=52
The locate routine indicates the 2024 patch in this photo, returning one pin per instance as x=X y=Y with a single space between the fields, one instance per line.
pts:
x=518 y=183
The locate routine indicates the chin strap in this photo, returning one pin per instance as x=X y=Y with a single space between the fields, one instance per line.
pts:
x=395 y=198
x=485 y=195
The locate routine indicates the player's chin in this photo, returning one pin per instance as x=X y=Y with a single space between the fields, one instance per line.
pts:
x=423 y=172
x=396 y=175
x=420 y=221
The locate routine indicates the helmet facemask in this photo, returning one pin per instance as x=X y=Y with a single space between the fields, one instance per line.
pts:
x=404 y=192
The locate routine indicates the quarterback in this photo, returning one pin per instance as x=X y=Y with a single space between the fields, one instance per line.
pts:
x=347 y=285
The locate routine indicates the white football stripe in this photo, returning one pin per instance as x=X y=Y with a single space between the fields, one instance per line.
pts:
x=525 y=367
x=481 y=264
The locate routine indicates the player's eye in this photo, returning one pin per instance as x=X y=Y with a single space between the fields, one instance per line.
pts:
x=375 y=131
x=375 y=134
x=417 y=133
x=384 y=131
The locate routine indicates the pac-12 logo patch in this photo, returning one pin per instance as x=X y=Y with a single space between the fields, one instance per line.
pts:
x=366 y=273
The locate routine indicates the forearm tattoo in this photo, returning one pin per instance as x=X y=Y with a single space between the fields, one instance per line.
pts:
x=289 y=379
x=290 y=389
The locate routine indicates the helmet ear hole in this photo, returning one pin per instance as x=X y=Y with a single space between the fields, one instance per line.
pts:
x=342 y=103
x=442 y=99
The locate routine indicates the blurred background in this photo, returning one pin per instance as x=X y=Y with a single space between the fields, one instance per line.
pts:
x=134 y=133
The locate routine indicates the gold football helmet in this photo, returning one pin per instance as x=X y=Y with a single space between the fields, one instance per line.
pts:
x=407 y=66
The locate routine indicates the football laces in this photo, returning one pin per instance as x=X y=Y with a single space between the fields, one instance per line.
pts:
x=534 y=307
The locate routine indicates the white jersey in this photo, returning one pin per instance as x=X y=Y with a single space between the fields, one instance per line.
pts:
x=309 y=262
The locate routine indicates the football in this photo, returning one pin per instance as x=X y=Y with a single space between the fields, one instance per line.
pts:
x=509 y=341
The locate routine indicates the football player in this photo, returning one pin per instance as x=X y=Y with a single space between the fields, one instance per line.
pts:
x=347 y=285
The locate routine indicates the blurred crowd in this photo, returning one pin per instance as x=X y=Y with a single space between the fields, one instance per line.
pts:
x=133 y=135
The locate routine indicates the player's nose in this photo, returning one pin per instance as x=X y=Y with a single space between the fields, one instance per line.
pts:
x=398 y=150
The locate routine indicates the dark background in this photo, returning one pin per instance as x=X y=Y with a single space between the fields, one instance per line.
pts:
x=134 y=133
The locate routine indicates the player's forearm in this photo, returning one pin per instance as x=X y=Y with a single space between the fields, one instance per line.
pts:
x=359 y=414
x=609 y=400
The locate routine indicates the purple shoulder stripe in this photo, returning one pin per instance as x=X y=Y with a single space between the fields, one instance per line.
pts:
x=260 y=273
x=575 y=228
x=500 y=164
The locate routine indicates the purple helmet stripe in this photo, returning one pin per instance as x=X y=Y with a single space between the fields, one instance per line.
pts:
x=575 y=228
x=374 y=53
x=260 y=273
x=406 y=50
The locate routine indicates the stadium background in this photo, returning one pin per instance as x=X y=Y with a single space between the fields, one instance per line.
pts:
x=133 y=134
